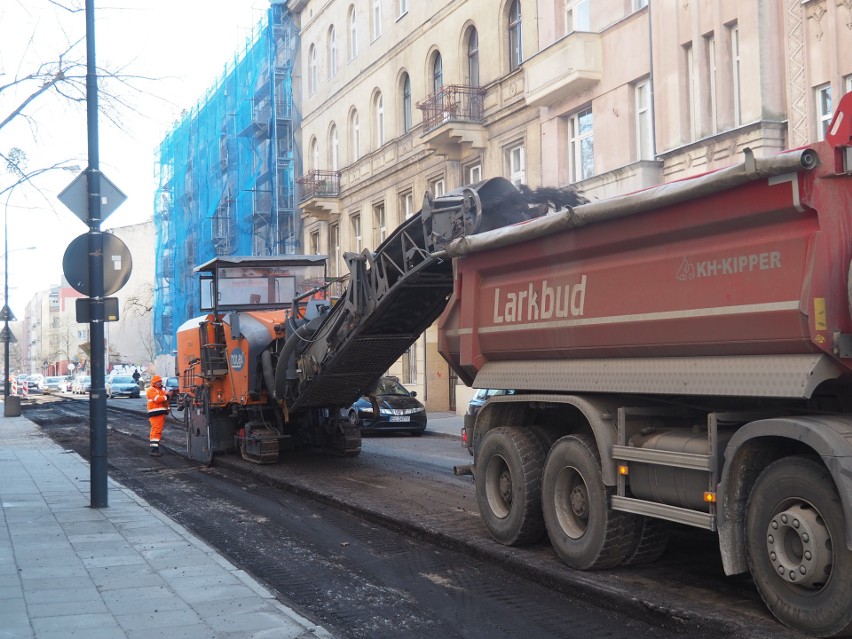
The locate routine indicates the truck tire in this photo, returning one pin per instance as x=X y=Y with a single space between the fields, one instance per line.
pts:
x=508 y=485
x=584 y=532
x=649 y=542
x=796 y=547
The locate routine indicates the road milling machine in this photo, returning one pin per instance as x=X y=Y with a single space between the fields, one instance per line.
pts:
x=276 y=360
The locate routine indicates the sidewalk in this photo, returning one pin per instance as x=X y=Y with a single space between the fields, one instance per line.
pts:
x=68 y=570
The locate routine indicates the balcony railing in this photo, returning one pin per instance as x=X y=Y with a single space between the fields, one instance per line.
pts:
x=320 y=184
x=454 y=102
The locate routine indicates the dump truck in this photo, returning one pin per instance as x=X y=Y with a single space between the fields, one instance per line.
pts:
x=679 y=354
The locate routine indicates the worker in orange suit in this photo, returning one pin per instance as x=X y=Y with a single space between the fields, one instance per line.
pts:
x=158 y=408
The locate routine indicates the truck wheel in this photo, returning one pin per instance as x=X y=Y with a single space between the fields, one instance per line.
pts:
x=796 y=547
x=650 y=540
x=584 y=532
x=508 y=485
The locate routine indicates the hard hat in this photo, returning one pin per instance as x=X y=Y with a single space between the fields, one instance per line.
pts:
x=155 y=379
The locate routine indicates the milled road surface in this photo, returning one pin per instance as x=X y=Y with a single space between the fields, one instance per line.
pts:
x=390 y=544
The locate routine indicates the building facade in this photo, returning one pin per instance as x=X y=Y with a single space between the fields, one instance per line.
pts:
x=609 y=96
x=226 y=174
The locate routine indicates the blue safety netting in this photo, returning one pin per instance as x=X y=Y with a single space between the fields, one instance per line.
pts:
x=226 y=173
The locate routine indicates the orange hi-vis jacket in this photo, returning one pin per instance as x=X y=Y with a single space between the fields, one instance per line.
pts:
x=158 y=401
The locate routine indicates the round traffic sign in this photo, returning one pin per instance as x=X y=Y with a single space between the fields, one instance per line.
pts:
x=117 y=264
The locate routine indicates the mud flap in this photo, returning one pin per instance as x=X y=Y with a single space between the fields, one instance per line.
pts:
x=198 y=442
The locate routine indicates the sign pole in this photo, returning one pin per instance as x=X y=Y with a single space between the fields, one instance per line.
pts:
x=97 y=403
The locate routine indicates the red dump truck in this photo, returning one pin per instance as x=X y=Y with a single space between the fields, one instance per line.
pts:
x=681 y=354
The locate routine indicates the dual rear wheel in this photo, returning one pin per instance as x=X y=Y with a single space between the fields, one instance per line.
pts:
x=524 y=490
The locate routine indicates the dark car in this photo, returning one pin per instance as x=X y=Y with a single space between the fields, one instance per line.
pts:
x=398 y=410
x=482 y=396
x=122 y=386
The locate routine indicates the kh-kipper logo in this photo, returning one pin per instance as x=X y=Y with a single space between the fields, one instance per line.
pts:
x=732 y=265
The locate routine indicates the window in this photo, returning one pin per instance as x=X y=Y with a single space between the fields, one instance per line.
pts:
x=436 y=187
x=355 y=130
x=332 y=52
x=437 y=73
x=577 y=16
x=710 y=50
x=314 y=154
x=353 y=34
x=380 y=229
x=355 y=223
x=379 y=113
x=406 y=205
x=473 y=58
x=377 y=18
x=403 y=7
x=848 y=83
x=644 y=122
x=517 y=165
x=473 y=174
x=409 y=365
x=406 y=103
x=692 y=94
x=639 y=4
x=312 y=71
x=582 y=146
x=315 y=243
x=334 y=148
x=823 y=110
x=515 y=44
x=334 y=249
x=734 y=34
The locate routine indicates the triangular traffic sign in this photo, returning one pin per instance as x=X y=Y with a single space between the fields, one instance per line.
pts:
x=6 y=314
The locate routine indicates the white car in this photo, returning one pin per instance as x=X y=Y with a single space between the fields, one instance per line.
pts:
x=35 y=382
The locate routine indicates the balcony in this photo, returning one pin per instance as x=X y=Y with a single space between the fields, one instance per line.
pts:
x=569 y=66
x=452 y=120
x=320 y=194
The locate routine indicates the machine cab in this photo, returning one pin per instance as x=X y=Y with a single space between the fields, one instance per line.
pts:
x=258 y=283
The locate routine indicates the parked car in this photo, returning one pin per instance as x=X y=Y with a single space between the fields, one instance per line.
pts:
x=82 y=384
x=172 y=386
x=122 y=386
x=35 y=382
x=482 y=396
x=398 y=410
x=69 y=382
x=53 y=384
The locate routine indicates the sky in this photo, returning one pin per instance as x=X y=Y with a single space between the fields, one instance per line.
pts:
x=178 y=49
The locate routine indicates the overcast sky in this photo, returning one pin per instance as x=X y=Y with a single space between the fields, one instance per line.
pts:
x=183 y=45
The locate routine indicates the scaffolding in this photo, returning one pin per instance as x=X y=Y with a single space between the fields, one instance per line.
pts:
x=226 y=173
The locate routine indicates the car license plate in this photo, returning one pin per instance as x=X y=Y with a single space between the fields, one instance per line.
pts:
x=400 y=418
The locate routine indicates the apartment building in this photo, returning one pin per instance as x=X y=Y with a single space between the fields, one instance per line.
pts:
x=399 y=97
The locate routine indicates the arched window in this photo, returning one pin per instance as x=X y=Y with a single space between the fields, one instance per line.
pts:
x=379 y=113
x=332 y=52
x=406 y=103
x=334 y=148
x=353 y=34
x=473 y=57
x=355 y=132
x=312 y=71
x=437 y=73
x=314 y=155
x=515 y=45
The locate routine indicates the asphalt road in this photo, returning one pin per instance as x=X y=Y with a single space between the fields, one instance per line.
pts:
x=403 y=487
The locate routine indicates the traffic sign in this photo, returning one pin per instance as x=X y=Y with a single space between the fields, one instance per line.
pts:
x=6 y=334
x=84 y=315
x=117 y=264
x=76 y=197
x=7 y=314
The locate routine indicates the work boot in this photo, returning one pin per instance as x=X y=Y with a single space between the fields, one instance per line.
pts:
x=156 y=452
